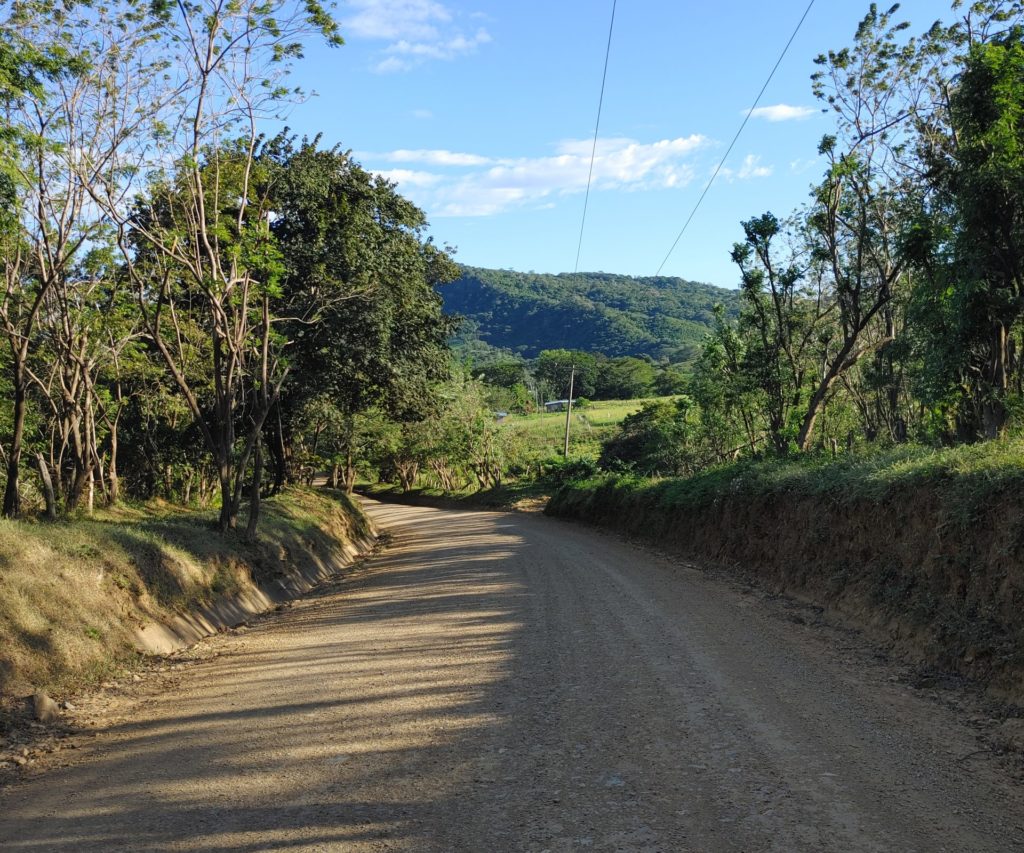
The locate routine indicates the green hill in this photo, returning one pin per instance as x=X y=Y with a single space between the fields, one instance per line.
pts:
x=598 y=312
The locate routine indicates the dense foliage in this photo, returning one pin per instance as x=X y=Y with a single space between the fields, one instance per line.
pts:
x=185 y=298
x=613 y=315
x=887 y=309
x=196 y=311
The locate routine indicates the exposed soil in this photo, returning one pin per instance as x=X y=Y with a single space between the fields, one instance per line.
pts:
x=503 y=681
x=930 y=576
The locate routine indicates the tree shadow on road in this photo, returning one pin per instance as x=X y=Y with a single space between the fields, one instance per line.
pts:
x=372 y=712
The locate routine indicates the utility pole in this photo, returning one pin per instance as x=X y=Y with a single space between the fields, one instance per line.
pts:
x=568 y=410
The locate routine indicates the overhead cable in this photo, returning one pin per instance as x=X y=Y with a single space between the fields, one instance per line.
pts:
x=597 y=127
x=728 y=151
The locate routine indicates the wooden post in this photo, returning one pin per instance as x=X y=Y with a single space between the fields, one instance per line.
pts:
x=568 y=410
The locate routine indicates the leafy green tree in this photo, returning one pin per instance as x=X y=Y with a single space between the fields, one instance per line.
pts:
x=624 y=378
x=657 y=440
x=972 y=246
x=198 y=243
x=553 y=368
x=671 y=379
x=727 y=399
x=522 y=400
x=506 y=373
x=378 y=338
x=779 y=320
x=70 y=104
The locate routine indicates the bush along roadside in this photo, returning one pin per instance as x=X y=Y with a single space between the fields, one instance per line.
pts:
x=923 y=549
x=81 y=600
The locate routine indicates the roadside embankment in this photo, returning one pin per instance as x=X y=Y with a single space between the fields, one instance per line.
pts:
x=82 y=598
x=923 y=549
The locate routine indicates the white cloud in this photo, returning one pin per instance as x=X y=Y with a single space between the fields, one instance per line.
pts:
x=395 y=19
x=783 y=112
x=418 y=31
x=800 y=166
x=423 y=115
x=750 y=168
x=431 y=157
x=410 y=177
x=391 y=65
x=490 y=185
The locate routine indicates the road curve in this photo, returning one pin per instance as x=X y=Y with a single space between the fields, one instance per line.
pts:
x=505 y=682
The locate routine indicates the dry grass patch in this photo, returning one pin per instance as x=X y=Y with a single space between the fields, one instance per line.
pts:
x=73 y=594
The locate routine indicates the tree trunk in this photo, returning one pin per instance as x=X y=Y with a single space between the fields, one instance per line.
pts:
x=228 y=510
x=814 y=407
x=44 y=475
x=12 y=499
x=112 y=479
x=993 y=409
x=79 y=483
x=254 y=493
x=279 y=450
x=350 y=473
x=407 y=472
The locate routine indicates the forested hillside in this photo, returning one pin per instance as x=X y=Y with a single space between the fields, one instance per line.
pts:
x=597 y=312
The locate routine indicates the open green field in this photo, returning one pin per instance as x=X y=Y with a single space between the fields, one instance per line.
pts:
x=544 y=432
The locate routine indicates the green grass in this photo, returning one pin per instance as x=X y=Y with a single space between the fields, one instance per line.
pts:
x=964 y=478
x=544 y=432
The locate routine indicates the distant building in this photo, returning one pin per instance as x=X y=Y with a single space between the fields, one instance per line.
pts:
x=556 y=405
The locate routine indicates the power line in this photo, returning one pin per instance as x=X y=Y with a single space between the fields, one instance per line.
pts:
x=597 y=127
x=746 y=118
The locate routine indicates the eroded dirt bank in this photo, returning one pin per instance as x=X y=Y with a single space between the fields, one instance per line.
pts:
x=507 y=682
x=928 y=575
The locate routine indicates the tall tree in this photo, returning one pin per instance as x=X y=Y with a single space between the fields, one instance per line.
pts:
x=75 y=127
x=205 y=227
x=980 y=287
x=380 y=340
x=780 y=317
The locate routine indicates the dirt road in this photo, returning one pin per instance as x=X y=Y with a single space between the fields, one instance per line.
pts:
x=504 y=682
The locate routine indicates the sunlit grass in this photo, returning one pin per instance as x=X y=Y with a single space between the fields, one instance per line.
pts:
x=544 y=432
x=964 y=477
x=73 y=593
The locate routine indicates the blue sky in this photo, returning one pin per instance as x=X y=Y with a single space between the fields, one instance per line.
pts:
x=483 y=113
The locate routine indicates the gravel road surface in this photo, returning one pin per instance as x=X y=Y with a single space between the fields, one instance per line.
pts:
x=506 y=682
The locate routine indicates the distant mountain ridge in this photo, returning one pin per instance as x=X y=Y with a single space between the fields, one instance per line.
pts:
x=660 y=316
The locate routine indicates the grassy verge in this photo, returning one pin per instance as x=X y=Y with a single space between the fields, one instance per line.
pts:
x=968 y=477
x=544 y=432
x=924 y=548
x=73 y=594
